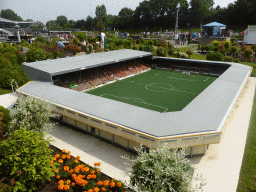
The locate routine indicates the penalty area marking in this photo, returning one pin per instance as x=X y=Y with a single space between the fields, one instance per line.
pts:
x=138 y=100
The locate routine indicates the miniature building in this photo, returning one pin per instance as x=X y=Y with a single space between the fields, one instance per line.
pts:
x=198 y=125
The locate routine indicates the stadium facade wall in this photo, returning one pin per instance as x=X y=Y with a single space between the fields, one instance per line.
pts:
x=127 y=138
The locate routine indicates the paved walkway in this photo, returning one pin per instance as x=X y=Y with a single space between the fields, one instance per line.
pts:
x=220 y=165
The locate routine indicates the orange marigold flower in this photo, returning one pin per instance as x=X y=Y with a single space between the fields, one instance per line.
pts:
x=68 y=181
x=90 y=190
x=60 y=187
x=68 y=156
x=66 y=187
x=54 y=158
x=57 y=155
x=51 y=164
x=112 y=184
x=119 y=184
x=77 y=169
x=68 y=152
x=97 y=170
x=74 y=175
x=100 y=183
x=78 y=157
x=56 y=170
x=66 y=168
x=79 y=166
x=60 y=182
x=85 y=182
x=70 y=171
x=106 y=182
x=92 y=172
x=95 y=164
x=89 y=176
x=73 y=184
x=96 y=189
x=103 y=189
x=63 y=151
x=58 y=177
x=76 y=160
x=60 y=161
x=94 y=176
x=99 y=164
x=87 y=169
x=63 y=156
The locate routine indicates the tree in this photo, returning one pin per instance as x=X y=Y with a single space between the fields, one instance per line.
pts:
x=89 y=22
x=39 y=24
x=62 y=20
x=33 y=113
x=125 y=16
x=161 y=170
x=11 y=15
x=81 y=24
x=199 y=10
x=101 y=12
x=51 y=23
x=100 y=24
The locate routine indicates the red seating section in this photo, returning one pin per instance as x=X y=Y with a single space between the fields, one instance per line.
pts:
x=94 y=78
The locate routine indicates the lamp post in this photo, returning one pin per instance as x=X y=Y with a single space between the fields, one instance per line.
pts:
x=176 y=27
x=17 y=28
x=91 y=18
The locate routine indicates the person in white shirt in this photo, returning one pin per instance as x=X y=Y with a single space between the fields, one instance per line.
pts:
x=103 y=36
x=176 y=38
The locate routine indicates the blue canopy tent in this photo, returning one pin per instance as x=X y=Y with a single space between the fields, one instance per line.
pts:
x=215 y=29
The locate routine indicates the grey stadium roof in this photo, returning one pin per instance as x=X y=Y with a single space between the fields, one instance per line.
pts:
x=206 y=113
x=50 y=68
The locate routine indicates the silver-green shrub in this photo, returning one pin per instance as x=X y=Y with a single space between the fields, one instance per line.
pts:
x=162 y=170
x=36 y=112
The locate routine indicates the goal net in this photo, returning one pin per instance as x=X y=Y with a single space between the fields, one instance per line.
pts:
x=185 y=72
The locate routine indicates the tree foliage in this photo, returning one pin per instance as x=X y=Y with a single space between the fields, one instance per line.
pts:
x=11 y=15
x=101 y=11
x=62 y=20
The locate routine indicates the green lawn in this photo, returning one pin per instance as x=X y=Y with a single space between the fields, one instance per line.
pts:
x=4 y=91
x=247 y=177
x=157 y=90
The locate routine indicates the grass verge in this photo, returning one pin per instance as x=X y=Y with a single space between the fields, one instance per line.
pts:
x=247 y=174
x=4 y=91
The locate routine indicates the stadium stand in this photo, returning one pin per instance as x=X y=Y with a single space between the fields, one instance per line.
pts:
x=84 y=80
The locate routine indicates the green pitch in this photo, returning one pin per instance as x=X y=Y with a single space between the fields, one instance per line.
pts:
x=157 y=90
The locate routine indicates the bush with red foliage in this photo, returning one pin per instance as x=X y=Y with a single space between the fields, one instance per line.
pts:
x=72 y=49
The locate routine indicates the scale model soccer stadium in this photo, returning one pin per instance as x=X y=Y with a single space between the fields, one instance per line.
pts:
x=129 y=97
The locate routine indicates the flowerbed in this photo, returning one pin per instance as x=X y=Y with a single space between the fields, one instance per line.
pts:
x=64 y=177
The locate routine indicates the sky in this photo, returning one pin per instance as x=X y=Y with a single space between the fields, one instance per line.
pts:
x=45 y=10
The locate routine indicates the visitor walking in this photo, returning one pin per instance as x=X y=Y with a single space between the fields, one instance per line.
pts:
x=189 y=37
x=103 y=36
x=176 y=38
x=182 y=38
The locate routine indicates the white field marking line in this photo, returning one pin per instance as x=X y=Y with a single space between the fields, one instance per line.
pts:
x=169 y=90
x=207 y=79
x=176 y=78
x=185 y=92
x=158 y=73
x=182 y=79
x=152 y=85
x=166 y=109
